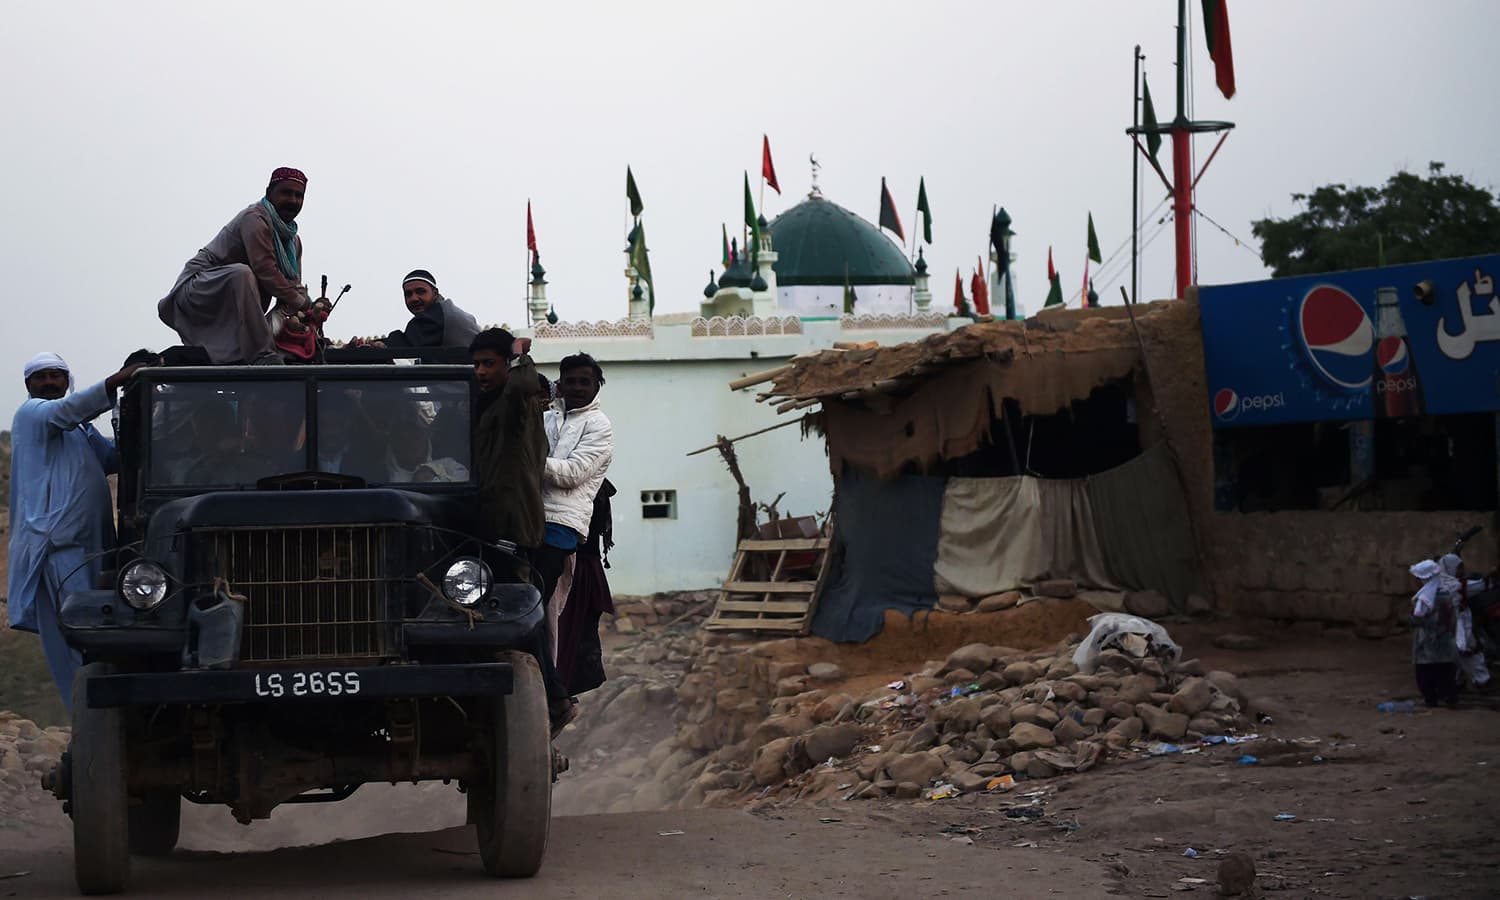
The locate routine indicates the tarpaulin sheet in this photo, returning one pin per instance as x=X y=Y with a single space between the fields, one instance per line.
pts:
x=886 y=540
x=999 y=534
x=1144 y=527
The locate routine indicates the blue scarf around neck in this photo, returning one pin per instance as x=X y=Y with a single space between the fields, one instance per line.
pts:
x=285 y=241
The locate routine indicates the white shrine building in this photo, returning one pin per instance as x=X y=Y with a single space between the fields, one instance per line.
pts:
x=667 y=385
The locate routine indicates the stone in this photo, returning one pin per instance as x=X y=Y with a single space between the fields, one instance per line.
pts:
x=1203 y=725
x=908 y=790
x=1040 y=768
x=623 y=625
x=1067 y=690
x=1019 y=761
x=921 y=684
x=1192 y=697
x=1034 y=713
x=1069 y=731
x=833 y=707
x=1147 y=604
x=1227 y=683
x=960 y=676
x=1060 y=588
x=953 y=603
x=869 y=766
x=1022 y=672
x=1026 y=736
x=1191 y=667
x=1137 y=688
x=991 y=680
x=831 y=741
x=961 y=715
x=1093 y=718
x=825 y=671
x=974 y=657
x=1130 y=729
x=777 y=727
x=999 y=602
x=1237 y=875
x=1086 y=755
x=1237 y=642
x=916 y=768
x=1167 y=726
x=770 y=762
x=1198 y=606
x=997 y=719
x=1121 y=709
x=923 y=738
x=779 y=669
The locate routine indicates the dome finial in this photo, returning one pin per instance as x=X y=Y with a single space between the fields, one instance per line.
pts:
x=712 y=288
x=815 y=192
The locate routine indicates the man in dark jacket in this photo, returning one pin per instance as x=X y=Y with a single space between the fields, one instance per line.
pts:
x=510 y=450
x=436 y=321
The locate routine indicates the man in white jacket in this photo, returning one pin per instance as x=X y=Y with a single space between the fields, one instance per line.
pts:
x=581 y=444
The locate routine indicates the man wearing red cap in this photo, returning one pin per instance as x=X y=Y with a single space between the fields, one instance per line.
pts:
x=222 y=299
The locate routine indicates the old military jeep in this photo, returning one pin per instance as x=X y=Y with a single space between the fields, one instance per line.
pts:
x=299 y=605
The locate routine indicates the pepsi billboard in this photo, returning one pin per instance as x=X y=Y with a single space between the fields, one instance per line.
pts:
x=1419 y=339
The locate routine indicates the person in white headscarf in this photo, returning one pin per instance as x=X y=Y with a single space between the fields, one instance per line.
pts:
x=1471 y=662
x=1434 y=646
x=61 y=517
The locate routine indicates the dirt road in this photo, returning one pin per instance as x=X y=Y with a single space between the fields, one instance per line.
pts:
x=720 y=853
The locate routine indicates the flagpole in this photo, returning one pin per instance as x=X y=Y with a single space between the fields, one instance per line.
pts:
x=526 y=275
x=1135 y=185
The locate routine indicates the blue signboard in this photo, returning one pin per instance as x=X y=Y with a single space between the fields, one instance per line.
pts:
x=1419 y=339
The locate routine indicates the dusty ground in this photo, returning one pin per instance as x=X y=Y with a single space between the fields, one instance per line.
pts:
x=1385 y=805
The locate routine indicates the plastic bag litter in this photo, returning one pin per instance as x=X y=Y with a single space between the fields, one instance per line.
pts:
x=1107 y=630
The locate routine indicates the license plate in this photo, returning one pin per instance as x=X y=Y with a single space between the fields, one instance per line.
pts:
x=328 y=683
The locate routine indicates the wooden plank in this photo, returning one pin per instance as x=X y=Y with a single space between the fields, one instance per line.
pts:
x=763 y=606
x=788 y=625
x=768 y=587
x=784 y=544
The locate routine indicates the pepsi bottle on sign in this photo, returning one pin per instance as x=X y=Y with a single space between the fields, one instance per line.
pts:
x=1398 y=390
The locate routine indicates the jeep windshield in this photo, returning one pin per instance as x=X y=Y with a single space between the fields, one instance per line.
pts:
x=233 y=433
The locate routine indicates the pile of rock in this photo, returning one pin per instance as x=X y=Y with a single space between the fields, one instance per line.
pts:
x=984 y=713
x=26 y=752
x=634 y=613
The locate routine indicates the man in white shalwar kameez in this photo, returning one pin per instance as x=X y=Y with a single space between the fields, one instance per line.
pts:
x=61 y=517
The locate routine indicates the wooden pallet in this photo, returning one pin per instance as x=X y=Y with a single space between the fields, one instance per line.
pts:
x=781 y=603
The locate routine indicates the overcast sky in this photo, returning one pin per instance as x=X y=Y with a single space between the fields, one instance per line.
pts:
x=133 y=131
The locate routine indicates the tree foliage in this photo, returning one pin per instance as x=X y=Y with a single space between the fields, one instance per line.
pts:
x=1411 y=218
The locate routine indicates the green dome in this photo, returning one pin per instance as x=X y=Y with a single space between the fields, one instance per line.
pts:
x=817 y=239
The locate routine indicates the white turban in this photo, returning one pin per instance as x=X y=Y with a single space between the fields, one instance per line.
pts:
x=45 y=361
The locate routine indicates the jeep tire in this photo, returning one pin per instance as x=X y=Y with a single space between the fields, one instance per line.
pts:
x=511 y=803
x=101 y=843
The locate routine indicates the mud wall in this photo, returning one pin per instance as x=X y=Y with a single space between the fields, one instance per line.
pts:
x=1313 y=564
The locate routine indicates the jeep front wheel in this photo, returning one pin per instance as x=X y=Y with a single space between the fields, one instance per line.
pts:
x=101 y=844
x=511 y=804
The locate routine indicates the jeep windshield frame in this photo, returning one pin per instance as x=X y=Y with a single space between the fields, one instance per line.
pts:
x=198 y=429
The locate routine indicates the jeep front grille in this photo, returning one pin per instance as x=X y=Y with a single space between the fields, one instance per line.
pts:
x=311 y=593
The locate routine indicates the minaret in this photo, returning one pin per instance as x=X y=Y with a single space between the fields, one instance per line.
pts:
x=537 y=303
x=1003 y=291
x=640 y=307
x=921 y=296
x=763 y=284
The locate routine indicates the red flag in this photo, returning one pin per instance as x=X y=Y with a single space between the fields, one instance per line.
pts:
x=958 y=292
x=530 y=230
x=768 y=171
x=888 y=217
x=1051 y=269
x=981 y=293
x=1216 y=30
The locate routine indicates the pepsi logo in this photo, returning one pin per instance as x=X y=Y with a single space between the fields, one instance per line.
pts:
x=1336 y=337
x=1392 y=356
x=1226 y=404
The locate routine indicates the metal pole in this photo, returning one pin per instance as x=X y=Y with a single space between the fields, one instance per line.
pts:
x=1135 y=186
x=1182 y=174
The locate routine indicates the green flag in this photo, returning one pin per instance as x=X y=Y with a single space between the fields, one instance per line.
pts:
x=752 y=222
x=849 y=298
x=642 y=263
x=724 y=256
x=1093 y=241
x=924 y=209
x=1054 y=283
x=633 y=193
x=1148 y=118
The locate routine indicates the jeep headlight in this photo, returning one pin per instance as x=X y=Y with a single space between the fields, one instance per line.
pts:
x=143 y=584
x=467 y=581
